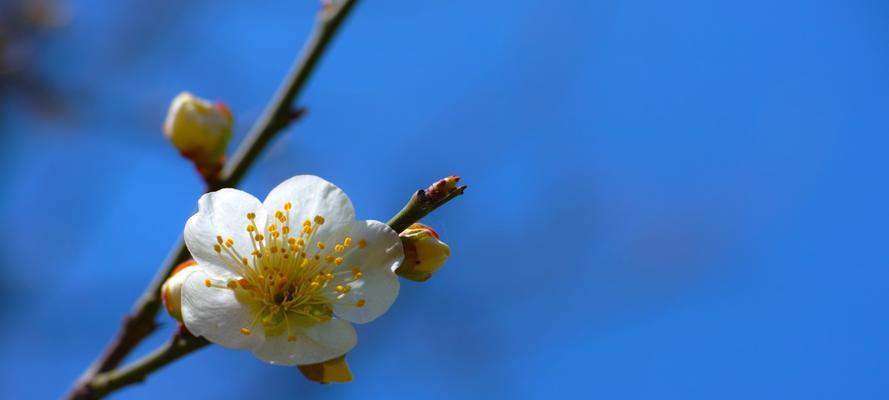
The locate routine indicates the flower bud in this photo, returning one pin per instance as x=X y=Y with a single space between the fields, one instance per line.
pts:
x=171 y=291
x=199 y=129
x=443 y=188
x=424 y=253
x=335 y=370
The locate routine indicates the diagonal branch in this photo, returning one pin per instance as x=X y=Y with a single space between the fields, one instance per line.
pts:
x=278 y=114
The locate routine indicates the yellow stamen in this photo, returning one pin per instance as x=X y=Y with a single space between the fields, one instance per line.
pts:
x=245 y=331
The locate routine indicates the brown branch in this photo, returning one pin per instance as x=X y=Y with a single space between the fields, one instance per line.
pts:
x=278 y=115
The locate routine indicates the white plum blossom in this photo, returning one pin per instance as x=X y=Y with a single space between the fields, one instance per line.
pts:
x=284 y=278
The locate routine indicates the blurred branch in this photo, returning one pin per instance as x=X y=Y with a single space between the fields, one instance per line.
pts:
x=421 y=203
x=277 y=116
x=181 y=344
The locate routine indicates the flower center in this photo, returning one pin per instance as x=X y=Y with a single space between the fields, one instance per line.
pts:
x=290 y=279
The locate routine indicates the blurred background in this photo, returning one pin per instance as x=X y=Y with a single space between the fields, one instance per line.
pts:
x=672 y=200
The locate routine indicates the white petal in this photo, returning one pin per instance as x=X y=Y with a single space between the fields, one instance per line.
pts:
x=311 y=196
x=221 y=213
x=217 y=315
x=378 y=285
x=315 y=344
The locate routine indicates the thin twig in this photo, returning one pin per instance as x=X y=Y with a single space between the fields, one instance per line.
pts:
x=181 y=344
x=278 y=114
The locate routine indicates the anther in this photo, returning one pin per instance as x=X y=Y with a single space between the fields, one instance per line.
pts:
x=259 y=237
x=250 y=228
x=360 y=303
x=291 y=338
x=229 y=243
x=362 y=244
x=251 y=216
x=343 y=289
x=338 y=261
x=319 y=220
x=208 y=283
x=321 y=245
x=245 y=331
x=339 y=247
x=219 y=239
x=347 y=241
x=287 y=206
x=218 y=248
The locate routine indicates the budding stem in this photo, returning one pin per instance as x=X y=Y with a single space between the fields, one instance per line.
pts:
x=420 y=205
x=277 y=116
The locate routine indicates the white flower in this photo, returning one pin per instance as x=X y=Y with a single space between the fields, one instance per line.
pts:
x=283 y=278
